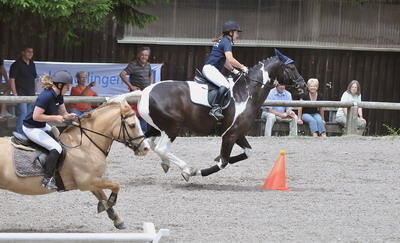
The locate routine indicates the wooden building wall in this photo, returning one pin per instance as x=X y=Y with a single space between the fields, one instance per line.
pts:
x=378 y=72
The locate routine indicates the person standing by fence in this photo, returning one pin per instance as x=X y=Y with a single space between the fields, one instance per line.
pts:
x=313 y=116
x=140 y=76
x=81 y=89
x=353 y=94
x=22 y=82
x=4 y=90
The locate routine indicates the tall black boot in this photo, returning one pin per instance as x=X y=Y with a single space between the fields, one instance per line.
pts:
x=216 y=110
x=50 y=167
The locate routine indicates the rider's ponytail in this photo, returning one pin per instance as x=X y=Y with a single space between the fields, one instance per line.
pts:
x=46 y=81
x=218 y=38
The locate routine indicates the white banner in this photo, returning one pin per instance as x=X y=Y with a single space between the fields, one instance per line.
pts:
x=106 y=75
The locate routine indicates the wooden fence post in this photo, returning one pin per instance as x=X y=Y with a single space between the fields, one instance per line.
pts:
x=351 y=124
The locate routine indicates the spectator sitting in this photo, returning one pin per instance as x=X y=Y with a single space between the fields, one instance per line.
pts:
x=4 y=90
x=353 y=94
x=312 y=115
x=81 y=89
x=281 y=114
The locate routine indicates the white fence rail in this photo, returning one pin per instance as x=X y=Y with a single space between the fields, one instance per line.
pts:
x=351 y=125
x=149 y=235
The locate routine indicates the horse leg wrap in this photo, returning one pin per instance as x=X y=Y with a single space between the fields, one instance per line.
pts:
x=237 y=158
x=211 y=170
x=102 y=206
x=111 y=214
x=112 y=200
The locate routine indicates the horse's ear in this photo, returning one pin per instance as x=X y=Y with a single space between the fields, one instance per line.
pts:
x=286 y=60
x=125 y=107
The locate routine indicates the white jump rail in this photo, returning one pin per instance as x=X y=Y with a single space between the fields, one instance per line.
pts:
x=149 y=235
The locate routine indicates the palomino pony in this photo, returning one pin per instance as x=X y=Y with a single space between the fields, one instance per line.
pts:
x=170 y=106
x=87 y=145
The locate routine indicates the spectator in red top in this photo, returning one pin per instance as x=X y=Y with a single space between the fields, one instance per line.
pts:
x=81 y=89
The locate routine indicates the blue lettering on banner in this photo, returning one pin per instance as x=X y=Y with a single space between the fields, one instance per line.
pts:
x=106 y=75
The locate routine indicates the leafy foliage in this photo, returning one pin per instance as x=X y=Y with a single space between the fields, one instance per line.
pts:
x=72 y=16
x=392 y=130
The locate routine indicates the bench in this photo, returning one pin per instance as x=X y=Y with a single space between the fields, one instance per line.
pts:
x=282 y=128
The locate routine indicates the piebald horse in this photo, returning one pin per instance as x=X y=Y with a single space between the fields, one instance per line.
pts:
x=88 y=144
x=167 y=106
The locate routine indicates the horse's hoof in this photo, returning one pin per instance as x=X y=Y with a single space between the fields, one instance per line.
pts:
x=217 y=158
x=187 y=172
x=120 y=226
x=185 y=176
x=165 y=167
x=102 y=206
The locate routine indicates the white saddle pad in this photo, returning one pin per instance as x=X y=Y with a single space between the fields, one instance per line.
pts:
x=198 y=93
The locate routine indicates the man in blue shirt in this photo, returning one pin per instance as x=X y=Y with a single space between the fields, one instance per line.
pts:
x=281 y=114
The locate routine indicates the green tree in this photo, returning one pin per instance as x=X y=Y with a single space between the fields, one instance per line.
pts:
x=72 y=16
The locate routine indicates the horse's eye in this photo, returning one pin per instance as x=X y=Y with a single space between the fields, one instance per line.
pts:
x=132 y=125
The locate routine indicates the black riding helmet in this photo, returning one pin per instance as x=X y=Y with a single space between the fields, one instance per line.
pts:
x=230 y=26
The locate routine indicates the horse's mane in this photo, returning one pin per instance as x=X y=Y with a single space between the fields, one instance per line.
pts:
x=265 y=62
x=89 y=115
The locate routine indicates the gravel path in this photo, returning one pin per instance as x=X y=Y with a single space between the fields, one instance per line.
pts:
x=344 y=189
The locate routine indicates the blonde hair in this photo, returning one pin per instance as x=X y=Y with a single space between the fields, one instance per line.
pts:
x=218 y=38
x=312 y=81
x=46 y=81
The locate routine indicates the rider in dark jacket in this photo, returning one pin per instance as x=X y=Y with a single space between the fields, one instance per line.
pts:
x=221 y=56
x=48 y=105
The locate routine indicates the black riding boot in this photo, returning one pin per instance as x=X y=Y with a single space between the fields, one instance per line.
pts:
x=50 y=167
x=216 y=110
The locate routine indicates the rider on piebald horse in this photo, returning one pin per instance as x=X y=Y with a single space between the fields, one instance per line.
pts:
x=221 y=56
x=48 y=104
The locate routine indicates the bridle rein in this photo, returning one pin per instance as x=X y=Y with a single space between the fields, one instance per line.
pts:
x=126 y=139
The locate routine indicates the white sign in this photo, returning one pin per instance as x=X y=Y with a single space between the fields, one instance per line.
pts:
x=106 y=75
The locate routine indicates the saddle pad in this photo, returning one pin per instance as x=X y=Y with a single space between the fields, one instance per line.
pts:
x=198 y=93
x=25 y=165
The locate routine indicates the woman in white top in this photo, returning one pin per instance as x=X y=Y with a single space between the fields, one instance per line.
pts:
x=353 y=94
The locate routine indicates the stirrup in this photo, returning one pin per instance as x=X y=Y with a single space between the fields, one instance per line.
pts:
x=49 y=183
x=216 y=112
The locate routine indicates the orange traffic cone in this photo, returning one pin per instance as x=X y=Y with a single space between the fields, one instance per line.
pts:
x=277 y=177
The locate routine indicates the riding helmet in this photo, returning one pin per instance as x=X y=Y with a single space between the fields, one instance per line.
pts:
x=230 y=26
x=63 y=77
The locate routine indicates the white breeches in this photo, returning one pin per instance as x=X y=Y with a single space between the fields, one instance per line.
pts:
x=40 y=137
x=215 y=76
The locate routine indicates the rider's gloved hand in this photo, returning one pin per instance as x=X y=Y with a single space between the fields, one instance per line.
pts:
x=235 y=71
x=245 y=69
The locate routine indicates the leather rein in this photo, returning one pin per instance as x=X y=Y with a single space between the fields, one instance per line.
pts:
x=126 y=139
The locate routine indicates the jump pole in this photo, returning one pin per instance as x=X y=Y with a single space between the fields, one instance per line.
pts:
x=149 y=235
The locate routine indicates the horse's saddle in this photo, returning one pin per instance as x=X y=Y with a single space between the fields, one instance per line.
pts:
x=203 y=91
x=29 y=158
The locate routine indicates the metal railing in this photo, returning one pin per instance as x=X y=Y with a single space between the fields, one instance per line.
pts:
x=351 y=125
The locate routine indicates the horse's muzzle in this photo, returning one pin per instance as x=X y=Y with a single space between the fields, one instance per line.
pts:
x=143 y=149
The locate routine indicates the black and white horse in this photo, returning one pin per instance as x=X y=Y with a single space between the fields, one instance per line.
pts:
x=169 y=106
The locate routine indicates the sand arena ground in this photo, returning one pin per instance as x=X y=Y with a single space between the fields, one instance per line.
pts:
x=344 y=189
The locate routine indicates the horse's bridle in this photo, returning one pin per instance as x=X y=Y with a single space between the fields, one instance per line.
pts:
x=271 y=84
x=127 y=139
